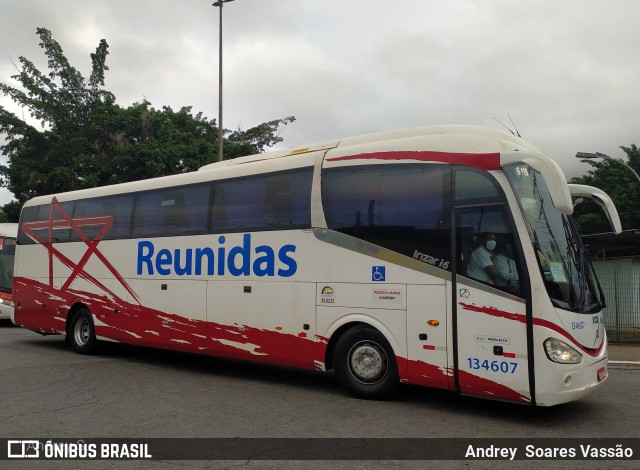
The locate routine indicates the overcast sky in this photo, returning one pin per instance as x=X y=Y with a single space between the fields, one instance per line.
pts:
x=567 y=72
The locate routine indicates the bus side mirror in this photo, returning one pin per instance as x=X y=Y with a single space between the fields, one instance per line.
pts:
x=602 y=199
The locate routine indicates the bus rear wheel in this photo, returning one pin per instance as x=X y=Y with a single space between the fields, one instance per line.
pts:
x=82 y=334
x=365 y=364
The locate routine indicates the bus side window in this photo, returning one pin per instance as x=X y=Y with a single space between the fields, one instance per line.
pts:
x=402 y=207
x=34 y=235
x=476 y=255
x=62 y=212
x=238 y=204
x=473 y=186
x=288 y=199
x=118 y=208
x=173 y=211
x=273 y=201
x=7 y=255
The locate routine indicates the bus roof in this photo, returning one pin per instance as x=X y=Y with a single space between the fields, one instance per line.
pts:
x=453 y=138
x=8 y=230
x=447 y=138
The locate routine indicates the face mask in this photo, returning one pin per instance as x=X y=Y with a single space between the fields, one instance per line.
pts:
x=491 y=245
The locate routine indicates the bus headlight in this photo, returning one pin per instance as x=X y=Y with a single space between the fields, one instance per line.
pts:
x=6 y=302
x=559 y=351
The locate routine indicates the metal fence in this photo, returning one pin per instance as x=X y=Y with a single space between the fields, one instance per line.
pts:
x=620 y=280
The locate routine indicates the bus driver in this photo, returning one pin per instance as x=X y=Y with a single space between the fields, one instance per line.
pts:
x=480 y=264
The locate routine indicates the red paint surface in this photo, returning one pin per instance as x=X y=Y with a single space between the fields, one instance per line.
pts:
x=429 y=375
x=136 y=324
x=473 y=385
x=536 y=321
x=484 y=161
x=65 y=221
x=43 y=308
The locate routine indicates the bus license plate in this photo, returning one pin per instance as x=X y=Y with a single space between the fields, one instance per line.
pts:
x=602 y=374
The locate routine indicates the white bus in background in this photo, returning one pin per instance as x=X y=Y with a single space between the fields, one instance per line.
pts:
x=351 y=255
x=8 y=234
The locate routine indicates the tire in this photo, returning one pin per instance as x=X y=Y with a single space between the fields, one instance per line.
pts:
x=365 y=364
x=82 y=333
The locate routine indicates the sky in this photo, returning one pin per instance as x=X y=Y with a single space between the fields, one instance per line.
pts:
x=566 y=72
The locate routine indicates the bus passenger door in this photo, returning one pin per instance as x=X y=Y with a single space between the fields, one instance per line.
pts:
x=427 y=336
x=489 y=318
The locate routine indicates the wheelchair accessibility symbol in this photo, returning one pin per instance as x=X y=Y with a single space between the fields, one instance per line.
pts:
x=378 y=273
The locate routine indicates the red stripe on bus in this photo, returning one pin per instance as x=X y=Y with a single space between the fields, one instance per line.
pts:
x=536 y=321
x=484 y=161
x=509 y=355
x=474 y=385
x=428 y=346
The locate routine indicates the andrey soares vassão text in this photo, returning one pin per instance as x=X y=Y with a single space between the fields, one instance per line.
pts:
x=531 y=451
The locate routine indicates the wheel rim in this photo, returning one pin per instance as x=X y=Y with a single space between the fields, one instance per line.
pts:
x=367 y=362
x=82 y=331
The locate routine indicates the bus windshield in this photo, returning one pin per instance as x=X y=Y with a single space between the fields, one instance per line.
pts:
x=568 y=275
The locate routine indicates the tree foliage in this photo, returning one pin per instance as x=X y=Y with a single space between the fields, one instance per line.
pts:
x=84 y=139
x=620 y=184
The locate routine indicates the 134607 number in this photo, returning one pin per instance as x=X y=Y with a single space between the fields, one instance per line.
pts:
x=493 y=366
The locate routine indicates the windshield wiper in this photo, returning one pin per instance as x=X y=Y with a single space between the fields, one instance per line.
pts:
x=577 y=252
x=602 y=301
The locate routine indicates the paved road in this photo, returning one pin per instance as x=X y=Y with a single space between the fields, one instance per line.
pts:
x=128 y=392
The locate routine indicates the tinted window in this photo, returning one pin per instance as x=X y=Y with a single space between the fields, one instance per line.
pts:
x=7 y=255
x=172 y=211
x=495 y=264
x=476 y=187
x=28 y=230
x=401 y=207
x=115 y=209
x=275 y=201
x=62 y=218
x=38 y=221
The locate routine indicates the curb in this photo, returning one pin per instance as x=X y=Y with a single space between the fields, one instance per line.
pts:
x=624 y=365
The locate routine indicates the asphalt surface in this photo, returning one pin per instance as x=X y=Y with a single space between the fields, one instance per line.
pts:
x=140 y=393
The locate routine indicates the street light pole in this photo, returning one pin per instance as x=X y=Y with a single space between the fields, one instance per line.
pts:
x=219 y=4
x=590 y=156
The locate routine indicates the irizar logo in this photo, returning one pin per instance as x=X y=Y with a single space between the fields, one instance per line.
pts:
x=437 y=262
x=217 y=261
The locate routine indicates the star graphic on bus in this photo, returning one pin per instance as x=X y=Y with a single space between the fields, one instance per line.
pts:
x=42 y=232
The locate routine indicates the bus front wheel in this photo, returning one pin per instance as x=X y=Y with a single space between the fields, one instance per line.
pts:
x=82 y=334
x=365 y=364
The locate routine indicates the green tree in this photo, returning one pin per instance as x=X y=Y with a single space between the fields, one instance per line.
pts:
x=620 y=184
x=84 y=138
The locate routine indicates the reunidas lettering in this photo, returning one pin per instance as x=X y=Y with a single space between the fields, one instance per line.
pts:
x=235 y=260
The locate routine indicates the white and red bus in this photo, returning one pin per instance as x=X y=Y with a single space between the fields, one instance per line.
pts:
x=8 y=234
x=353 y=255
